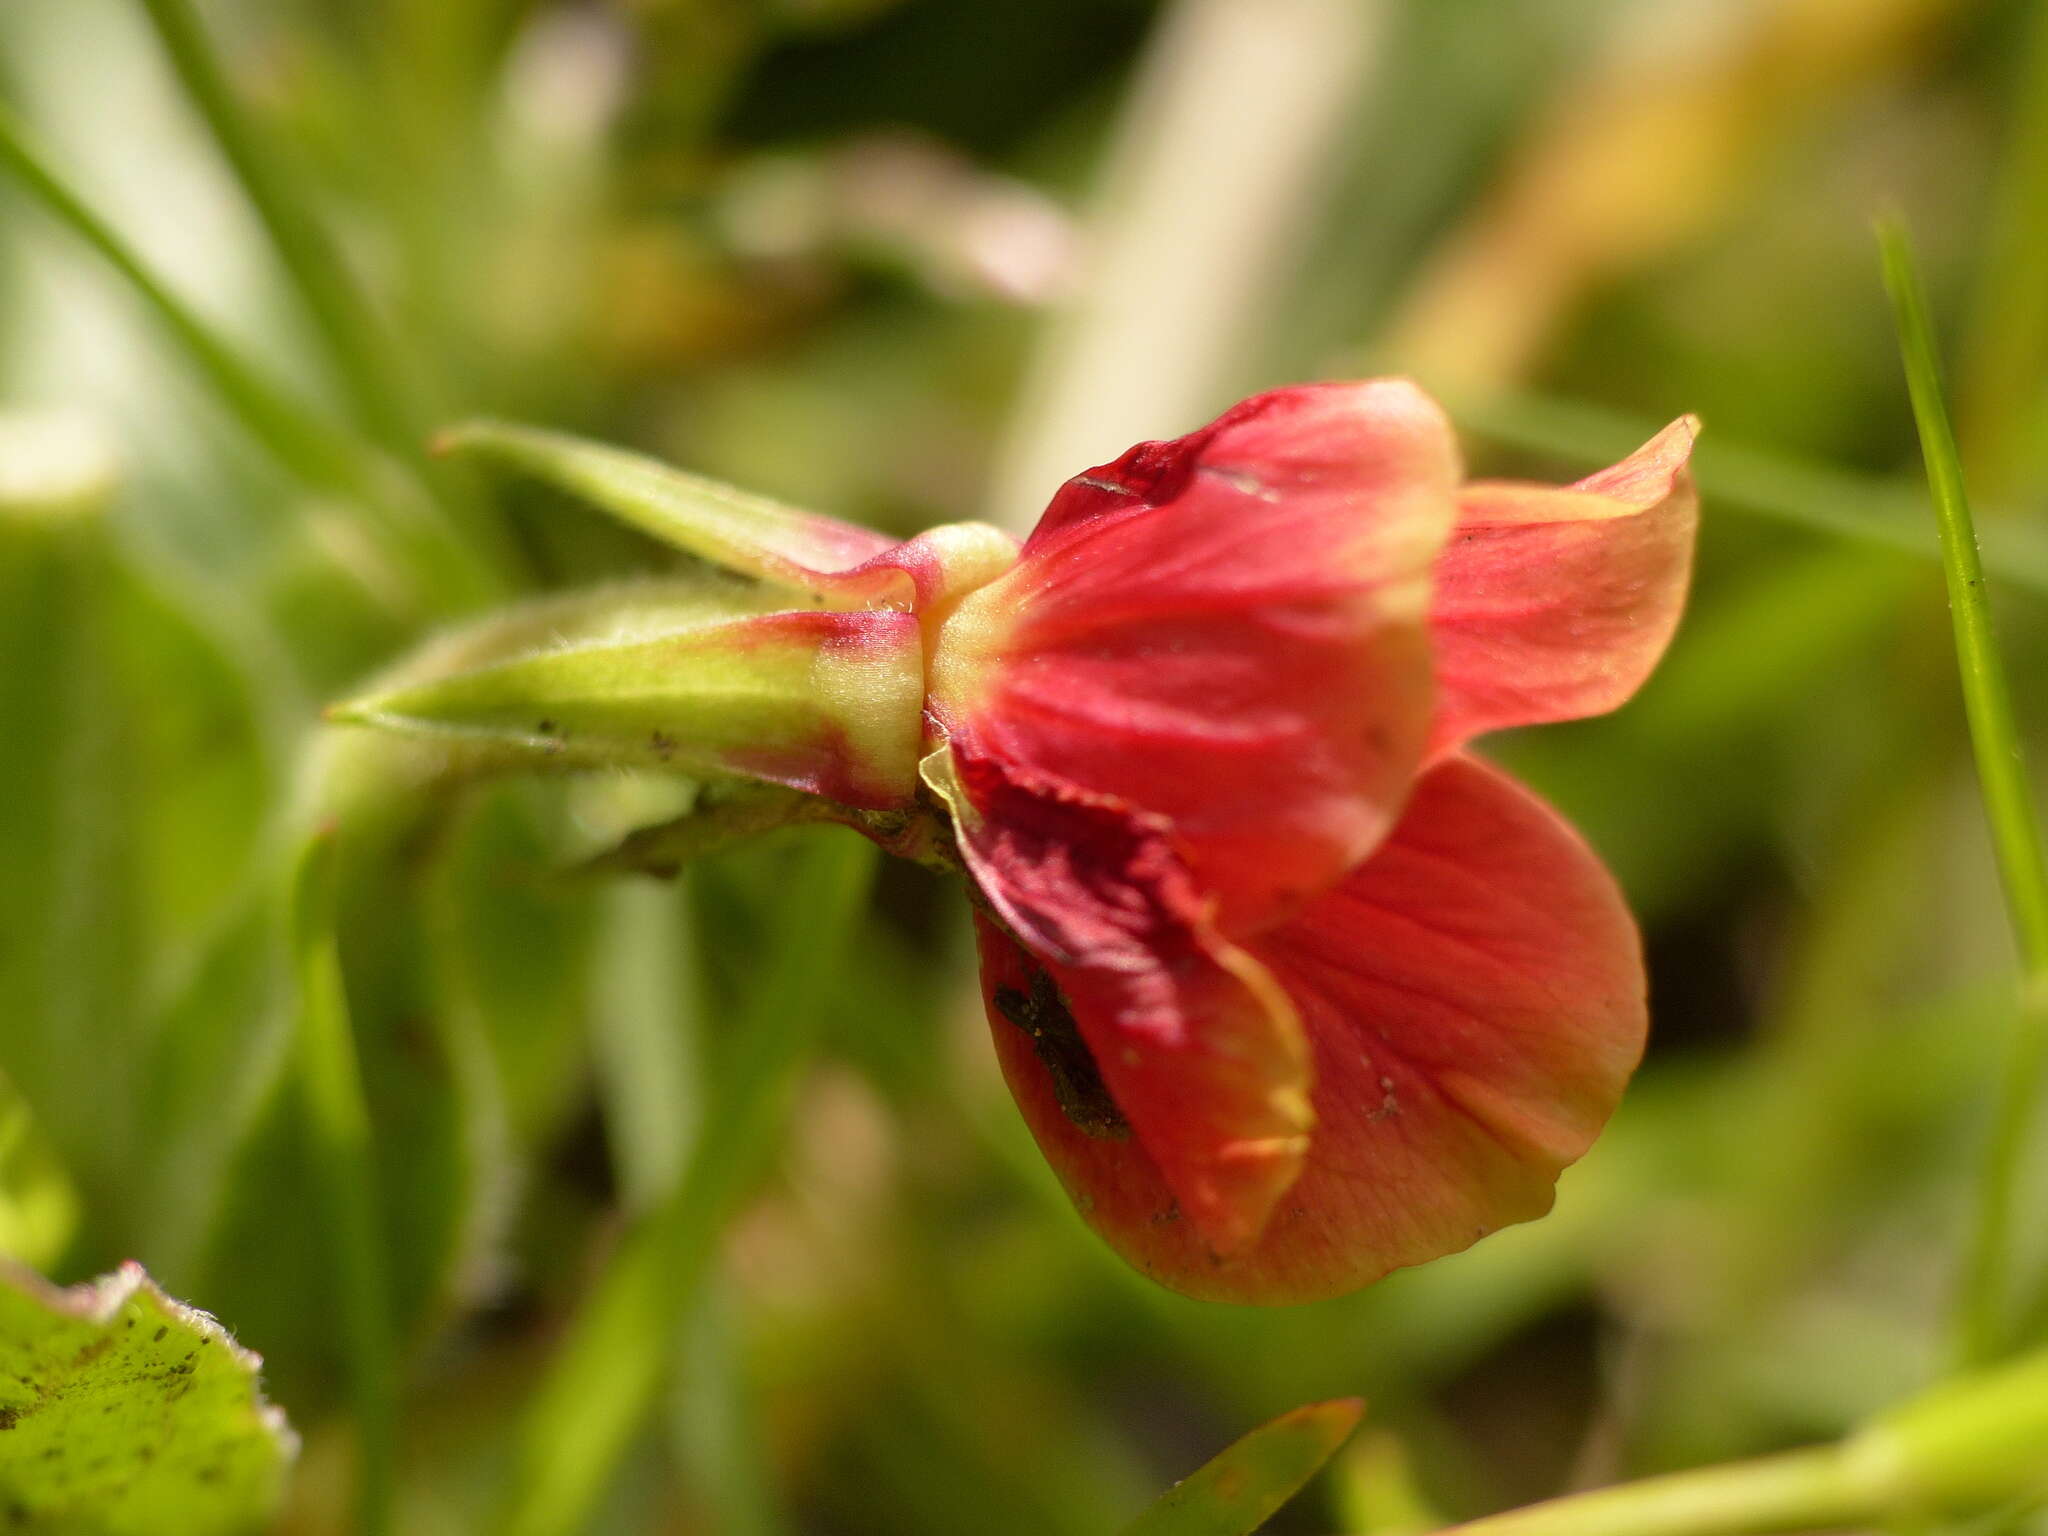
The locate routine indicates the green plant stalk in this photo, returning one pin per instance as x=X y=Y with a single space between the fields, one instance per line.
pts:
x=310 y=448
x=2008 y=803
x=608 y=1376
x=1969 y=1447
x=1798 y=1491
x=338 y=1122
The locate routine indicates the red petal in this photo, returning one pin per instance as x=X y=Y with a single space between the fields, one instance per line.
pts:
x=1149 y=1031
x=1227 y=630
x=1475 y=1002
x=1553 y=603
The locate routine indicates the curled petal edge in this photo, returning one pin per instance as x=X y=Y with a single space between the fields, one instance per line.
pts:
x=1555 y=602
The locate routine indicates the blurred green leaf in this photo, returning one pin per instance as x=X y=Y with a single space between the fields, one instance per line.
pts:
x=72 y=953
x=123 y=1413
x=338 y=1126
x=135 y=789
x=2005 y=356
x=611 y=1365
x=1244 y=1487
x=1377 y=1493
x=38 y=1208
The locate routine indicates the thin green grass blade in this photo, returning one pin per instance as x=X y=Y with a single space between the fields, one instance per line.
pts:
x=298 y=438
x=376 y=377
x=2008 y=804
x=609 y=1373
x=339 y=1128
x=310 y=447
x=1245 y=1486
x=376 y=384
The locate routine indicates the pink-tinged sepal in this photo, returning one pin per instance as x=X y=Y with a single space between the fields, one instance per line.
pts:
x=1149 y=1031
x=1228 y=631
x=830 y=563
x=823 y=702
x=1474 y=1000
x=1554 y=602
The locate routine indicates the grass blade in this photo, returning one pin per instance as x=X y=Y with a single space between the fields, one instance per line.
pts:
x=1242 y=1488
x=298 y=438
x=313 y=449
x=379 y=385
x=375 y=382
x=2008 y=804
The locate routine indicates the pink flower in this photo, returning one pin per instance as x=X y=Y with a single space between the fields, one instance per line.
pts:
x=1291 y=990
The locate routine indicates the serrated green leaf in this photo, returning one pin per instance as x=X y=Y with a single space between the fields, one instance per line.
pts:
x=1242 y=1489
x=122 y=1411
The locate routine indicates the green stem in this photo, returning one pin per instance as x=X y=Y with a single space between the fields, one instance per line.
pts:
x=2008 y=803
x=609 y=1373
x=1798 y=1491
x=1967 y=1447
x=338 y=1121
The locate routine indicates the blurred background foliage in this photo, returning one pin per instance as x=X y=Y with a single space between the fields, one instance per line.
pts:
x=701 y=1205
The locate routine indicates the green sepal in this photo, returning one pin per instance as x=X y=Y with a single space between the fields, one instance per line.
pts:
x=720 y=523
x=814 y=559
x=824 y=702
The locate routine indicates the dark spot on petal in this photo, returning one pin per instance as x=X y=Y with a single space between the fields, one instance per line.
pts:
x=1076 y=1081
